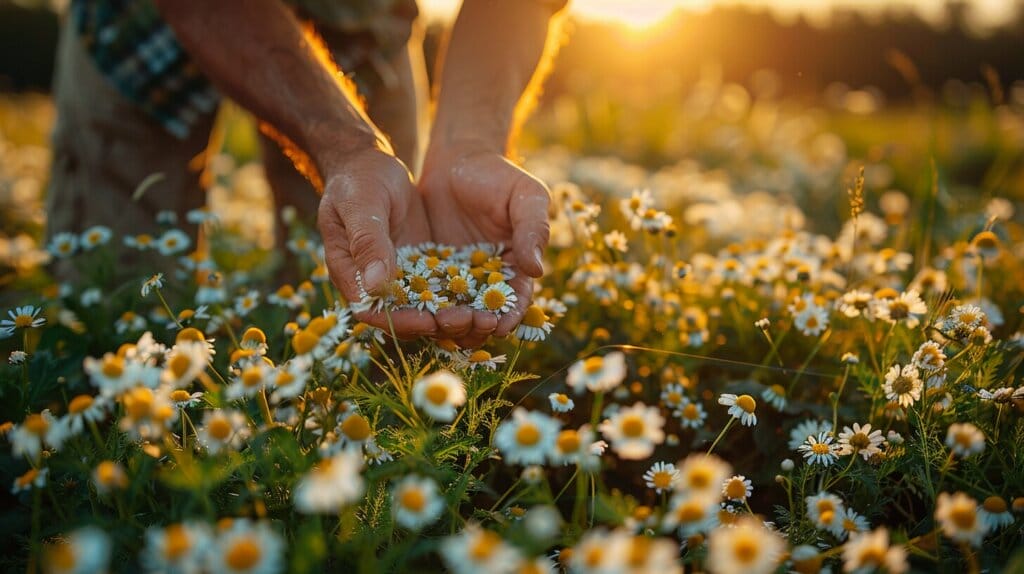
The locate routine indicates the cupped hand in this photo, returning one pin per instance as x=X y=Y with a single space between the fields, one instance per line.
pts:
x=369 y=206
x=471 y=195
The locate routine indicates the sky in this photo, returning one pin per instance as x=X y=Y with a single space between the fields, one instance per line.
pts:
x=639 y=13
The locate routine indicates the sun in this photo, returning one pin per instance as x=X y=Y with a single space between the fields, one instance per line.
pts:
x=638 y=15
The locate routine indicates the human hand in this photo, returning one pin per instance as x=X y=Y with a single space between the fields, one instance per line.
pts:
x=473 y=194
x=369 y=206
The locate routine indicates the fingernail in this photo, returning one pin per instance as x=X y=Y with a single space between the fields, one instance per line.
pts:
x=374 y=276
x=539 y=256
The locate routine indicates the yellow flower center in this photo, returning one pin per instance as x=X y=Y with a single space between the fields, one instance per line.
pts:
x=747 y=403
x=690 y=511
x=79 y=404
x=820 y=448
x=745 y=548
x=138 y=402
x=534 y=317
x=494 y=299
x=478 y=258
x=458 y=285
x=179 y=365
x=690 y=412
x=673 y=398
x=699 y=478
x=994 y=504
x=418 y=284
x=860 y=441
x=527 y=434
x=304 y=341
x=736 y=489
x=61 y=556
x=243 y=554
x=426 y=295
x=593 y=365
x=252 y=376
x=479 y=356
x=219 y=428
x=176 y=542
x=356 y=428
x=963 y=516
x=632 y=426
x=662 y=479
x=562 y=399
x=568 y=441
x=22 y=321
x=484 y=546
x=27 y=478
x=413 y=499
x=437 y=393
x=108 y=473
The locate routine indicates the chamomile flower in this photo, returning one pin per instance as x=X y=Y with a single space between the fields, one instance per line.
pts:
x=907 y=308
x=958 y=516
x=812 y=321
x=860 y=440
x=850 y=524
x=247 y=547
x=109 y=476
x=477 y=551
x=223 y=429
x=775 y=395
x=738 y=488
x=333 y=483
x=526 y=437
x=94 y=237
x=746 y=548
x=25 y=317
x=690 y=513
x=856 y=303
x=176 y=548
x=32 y=478
x=825 y=509
x=965 y=439
x=820 y=450
x=153 y=282
x=703 y=475
x=497 y=298
x=807 y=428
x=662 y=477
x=83 y=409
x=63 y=245
x=415 y=502
x=84 y=551
x=27 y=438
x=597 y=374
x=244 y=304
x=480 y=359
x=439 y=395
x=673 y=398
x=995 y=513
x=929 y=357
x=561 y=403
x=634 y=431
x=871 y=552
x=740 y=407
x=535 y=325
x=903 y=385
x=173 y=242
x=691 y=415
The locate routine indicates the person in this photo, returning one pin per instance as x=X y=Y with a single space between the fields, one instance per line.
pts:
x=137 y=82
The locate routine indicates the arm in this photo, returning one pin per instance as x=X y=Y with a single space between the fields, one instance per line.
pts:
x=495 y=61
x=257 y=53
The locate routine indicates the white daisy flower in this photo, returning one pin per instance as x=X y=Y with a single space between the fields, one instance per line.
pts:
x=775 y=395
x=223 y=429
x=812 y=321
x=244 y=304
x=691 y=415
x=25 y=317
x=153 y=282
x=32 y=478
x=907 y=308
x=477 y=551
x=860 y=440
x=825 y=509
x=634 y=431
x=535 y=325
x=415 y=502
x=703 y=475
x=178 y=548
x=957 y=514
x=333 y=483
x=995 y=513
x=850 y=524
x=85 y=550
x=903 y=385
x=561 y=403
x=807 y=428
x=173 y=242
x=497 y=298
x=740 y=407
x=439 y=395
x=965 y=439
x=528 y=437
x=820 y=450
x=738 y=488
x=662 y=477
x=746 y=548
x=479 y=359
x=247 y=547
x=63 y=245
x=871 y=552
x=597 y=374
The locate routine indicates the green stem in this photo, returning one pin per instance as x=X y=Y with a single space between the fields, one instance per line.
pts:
x=721 y=434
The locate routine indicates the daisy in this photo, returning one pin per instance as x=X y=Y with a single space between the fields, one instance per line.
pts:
x=172 y=242
x=812 y=321
x=703 y=475
x=480 y=359
x=820 y=450
x=929 y=357
x=561 y=403
x=965 y=439
x=477 y=551
x=439 y=395
x=415 y=502
x=129 y=321
x=528 y=437
x=597 y=374
x=355 y=429
x=855 y=303
x=634 y=431
x=333 y=483
x=497 y=298
x=142 y=242
x=63 y=245
x=995 y=513
x=825 y=509
x=33 y=478
x=27 y=438
x=907 y=308
x=19 y=357
x=871 y=552
x=850 y=524
x=690 y=513
x=673 y=397
x=223 y=429
x=109 y=476
x=740 y=407
x=178 y=548
x=807 y=428
x=578 y=447
x=738 y=488
x=860 y=440
x=957 y=514
x=154 y=282
x=84 y=550
x=691 y=415
x=247 y=547
x=661 y=477
x=95 y=236
x=185 y=362
x=963 y=320
x=244 y=304
x=535 y=325
x=746 y=548
x=903 y=385
x=26 y=317
x=775 y=395
x=85 y=408
x=616 y=241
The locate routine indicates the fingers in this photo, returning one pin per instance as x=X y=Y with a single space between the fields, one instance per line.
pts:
x=523 y=286
x=364 y=212
x=484 y=324
x=528 y=213
x=407 y=323
x=455 y=322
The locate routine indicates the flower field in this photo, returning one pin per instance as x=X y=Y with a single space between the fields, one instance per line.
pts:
x=772 y=340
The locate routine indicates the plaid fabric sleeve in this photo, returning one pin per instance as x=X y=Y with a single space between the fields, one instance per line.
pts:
x=138 y=53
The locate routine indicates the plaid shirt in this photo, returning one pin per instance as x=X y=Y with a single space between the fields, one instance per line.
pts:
x=137 y=51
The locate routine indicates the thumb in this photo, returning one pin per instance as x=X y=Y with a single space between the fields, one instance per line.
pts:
x=528 y=213
x=366 y=219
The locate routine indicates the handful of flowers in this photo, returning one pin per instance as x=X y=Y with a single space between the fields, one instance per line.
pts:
x=433 y=276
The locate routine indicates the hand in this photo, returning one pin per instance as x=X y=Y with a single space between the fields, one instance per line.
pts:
x=474 y=194
x=368 y=207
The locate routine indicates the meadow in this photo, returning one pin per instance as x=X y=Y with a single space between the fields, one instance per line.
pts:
x=772 y=336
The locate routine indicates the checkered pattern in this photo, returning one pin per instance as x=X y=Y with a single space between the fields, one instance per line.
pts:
x=138 y=53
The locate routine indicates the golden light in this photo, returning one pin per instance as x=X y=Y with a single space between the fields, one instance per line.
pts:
x=638 y=15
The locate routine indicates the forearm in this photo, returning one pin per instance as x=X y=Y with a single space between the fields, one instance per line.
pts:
x=258 y=54
x=493 y=57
